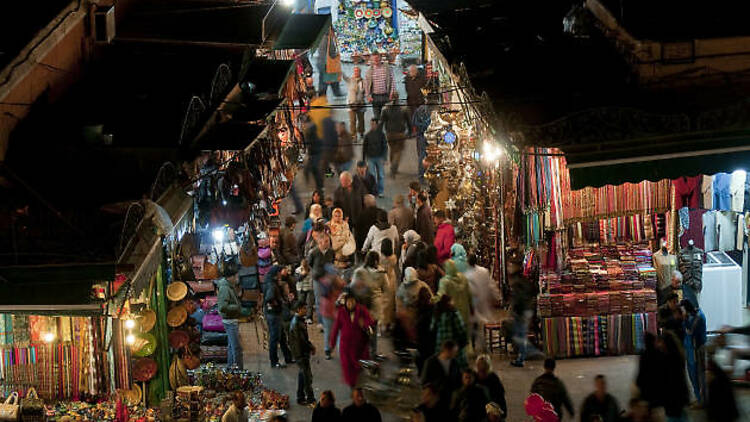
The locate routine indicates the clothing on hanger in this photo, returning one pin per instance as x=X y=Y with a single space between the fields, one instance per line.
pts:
x=710 y=234
x=737 y=189
x=722 y=197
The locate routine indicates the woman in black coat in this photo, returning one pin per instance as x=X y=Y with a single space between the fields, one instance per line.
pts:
x=425 y=335
x=650 y=379
x=675 y=392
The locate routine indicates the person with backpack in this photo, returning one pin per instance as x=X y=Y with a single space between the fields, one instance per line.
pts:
x=374 y=150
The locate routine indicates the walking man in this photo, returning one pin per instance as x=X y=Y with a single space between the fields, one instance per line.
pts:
x=414 y=82
x=379 y=86
x=356 y=100
x=397 y=123
x=373 y=152
x=552 y=389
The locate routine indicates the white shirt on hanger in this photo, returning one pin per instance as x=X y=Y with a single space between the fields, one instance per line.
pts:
x=737 y=189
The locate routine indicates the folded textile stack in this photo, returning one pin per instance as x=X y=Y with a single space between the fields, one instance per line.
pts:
x=544 y=306
x=627 y=302
x=209 y=338
x=556 y=306
x=615 y=303
x=213 y=353
x=602 y=303
x=651 y=300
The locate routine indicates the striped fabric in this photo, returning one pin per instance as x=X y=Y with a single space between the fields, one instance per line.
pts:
x=597 y=335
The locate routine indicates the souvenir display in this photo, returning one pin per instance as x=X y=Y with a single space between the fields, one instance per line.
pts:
x=145 y=344
x=147 y=319
x=176 y=316
x=101 y=411
x=176 y=291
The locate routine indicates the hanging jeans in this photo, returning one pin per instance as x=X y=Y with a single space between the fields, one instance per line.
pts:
x=276 y=338
x=375 y=165
x=234 y=349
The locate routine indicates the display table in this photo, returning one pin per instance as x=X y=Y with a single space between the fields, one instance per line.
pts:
x=721 y=297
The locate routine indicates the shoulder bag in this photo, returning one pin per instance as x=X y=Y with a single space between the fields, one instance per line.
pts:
x=32 y=404
x=9 y=409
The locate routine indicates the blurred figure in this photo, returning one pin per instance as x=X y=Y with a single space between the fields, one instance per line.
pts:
x=326 y=410
x=400 y=216
x=427 y=271
x=600 y=405
x=458 y=256
x=379 y=84
x=639 y=412
x=441 y=370
x=317 y=198
x=469 y=402
x=521 y=307
x=431 y=408
x=424 y=225
x=360 y=410
x=374 y=150
x=389 y=263
x=330 y=290
x=552 y=389
x=369 y=285
x=448 y=325
x=676 y=394
x=365 y=179
x=329 y=65
x=721 y=405
x=411 y=245
x=356 y=100
x=485 y=295
x=414 y=82
x=670 y=316
x=355 y=325
x=321 y=139
x=288 y=250
x=695 y=348
x=396 y=121
x=488 y=379
x=494 y=413
x=407 y=302
x=344 y=157
x=425 y=333
x=421 y=120
x=455 y=285
x=367 y=218
x=650 y=378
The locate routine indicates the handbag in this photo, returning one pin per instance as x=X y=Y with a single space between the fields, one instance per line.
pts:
x=9 y=409
x=212 y=322
x=32 y=404
x=350 y=246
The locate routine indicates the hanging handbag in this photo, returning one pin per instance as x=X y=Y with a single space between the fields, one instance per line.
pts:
x=9 y=410
x=350 y=246
x=201 y=287
x=212 y=322
x=31 y=405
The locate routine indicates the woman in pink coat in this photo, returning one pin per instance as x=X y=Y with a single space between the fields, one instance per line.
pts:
x=354 y=324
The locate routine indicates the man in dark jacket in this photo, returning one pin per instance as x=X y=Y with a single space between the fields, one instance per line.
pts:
x=424 y=225
x=348 y=197
x=273 y=307
x=288 y=251
x=414 y=82
x=302 y=349
x=600 y=404
x=366 y=180
x=320 y=256
x=441 y=370
x=468 y=403
x=360 y=410
x=552 y=389
x=374 y=150
x=367 y=218
x=397 y=124
x=431 y=408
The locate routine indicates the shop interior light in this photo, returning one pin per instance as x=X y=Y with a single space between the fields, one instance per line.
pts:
x=129 y=324
x=491 y=153
x=287 y=3
x=49 y=337
x=218 y=234
x=130 y=339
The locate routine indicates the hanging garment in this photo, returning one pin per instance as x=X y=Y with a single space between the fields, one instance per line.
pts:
x=726 y=227
x=710 y=234
x=740 y=232
x=665 y=264
x=747 y=192
x=687 y=191
x=694 y=230
x=737 y=189
x=722 y=196
x=707 y=192
x=691 y=267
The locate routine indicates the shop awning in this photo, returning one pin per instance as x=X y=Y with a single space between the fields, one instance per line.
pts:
x=302 y=32
x=52 y=288
x=657 y=158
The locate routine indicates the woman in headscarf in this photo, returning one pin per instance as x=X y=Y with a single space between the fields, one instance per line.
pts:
x=458 y=255
x=340 y=233
x=382 y=229
x=354 y=324
x=412 y=244
x=407 y=301
x=317 y=198
x=315 y=214
x=448 y=325
x=389 y=262
x=455 y=285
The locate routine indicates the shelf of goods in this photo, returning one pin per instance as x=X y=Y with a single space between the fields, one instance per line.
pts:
x=601 y=304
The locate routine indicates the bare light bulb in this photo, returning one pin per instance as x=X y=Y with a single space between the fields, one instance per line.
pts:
x=49 y=337
x=130 y=339
x=129 y=324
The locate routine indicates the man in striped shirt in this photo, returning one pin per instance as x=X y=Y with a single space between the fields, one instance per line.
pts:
x=379 y=86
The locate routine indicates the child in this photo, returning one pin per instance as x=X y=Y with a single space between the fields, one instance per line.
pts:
x=305 y=288
x=302 y=349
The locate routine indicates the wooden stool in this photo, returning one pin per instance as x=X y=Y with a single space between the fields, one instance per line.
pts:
x=494 y=338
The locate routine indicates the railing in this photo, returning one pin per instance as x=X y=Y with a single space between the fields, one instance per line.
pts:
x=192 y=119
x=133 y=219
x=219 y=85
x=165 y=177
